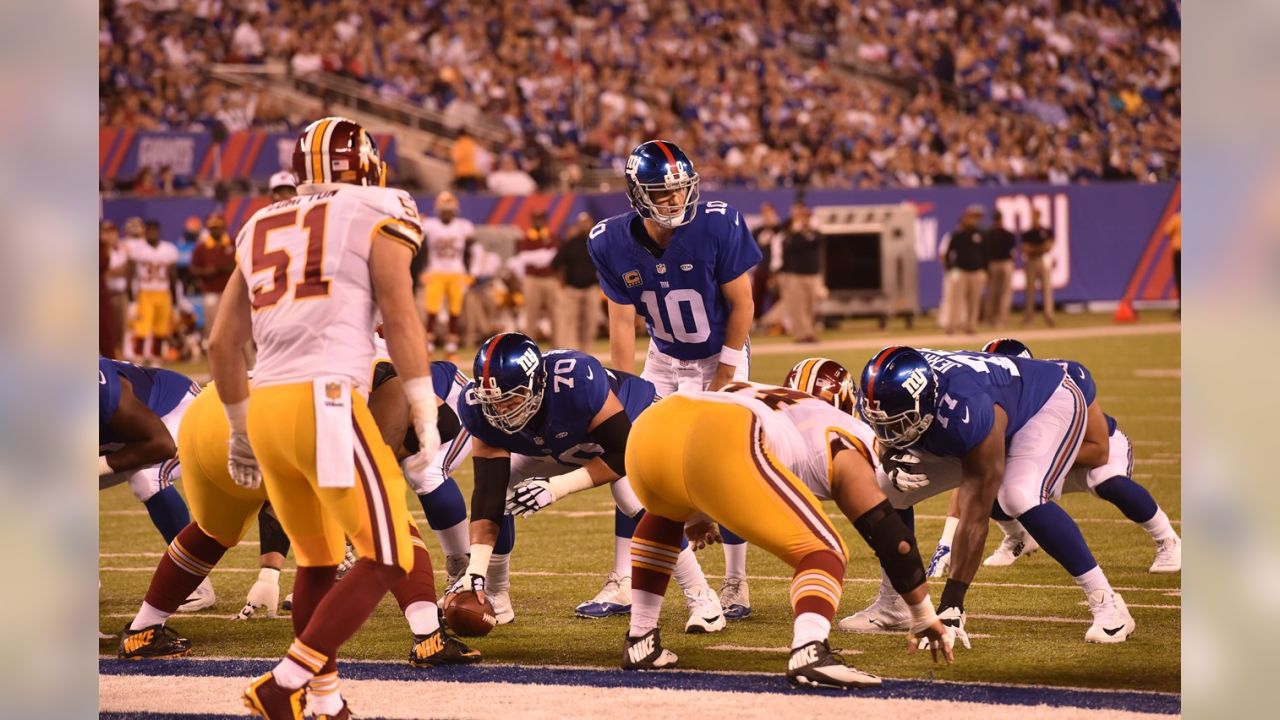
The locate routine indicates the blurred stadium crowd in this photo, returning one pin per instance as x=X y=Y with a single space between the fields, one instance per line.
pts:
x=814 y=93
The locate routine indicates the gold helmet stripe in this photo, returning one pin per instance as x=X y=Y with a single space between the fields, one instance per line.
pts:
x=806 y=374
x=318 y=137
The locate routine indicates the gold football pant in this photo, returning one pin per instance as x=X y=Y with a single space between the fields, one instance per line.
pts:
x=372 y=512
x=441 y=286
x=686 y=455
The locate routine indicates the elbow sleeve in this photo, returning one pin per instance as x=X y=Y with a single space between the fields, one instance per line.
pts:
x=612 y=436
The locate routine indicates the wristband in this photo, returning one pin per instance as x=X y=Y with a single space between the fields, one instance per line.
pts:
x=422 y=399
x=922 y=614
x=480 y=555
x=238 y=416
x=104 y=467
x=570 y=483
x=732 y=357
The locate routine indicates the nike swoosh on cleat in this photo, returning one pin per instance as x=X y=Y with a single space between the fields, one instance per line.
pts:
x=711 y=619
x=1112 y=631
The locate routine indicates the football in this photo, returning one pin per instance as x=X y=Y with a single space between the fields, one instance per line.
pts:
x=468 y=615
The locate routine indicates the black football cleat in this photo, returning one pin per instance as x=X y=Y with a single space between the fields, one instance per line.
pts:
x=815 y=665
x=155 y=641
x=646 y=653
x=441 y=648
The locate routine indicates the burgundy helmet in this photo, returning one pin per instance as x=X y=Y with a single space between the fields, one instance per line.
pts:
x=824 y=379
x=338 y=150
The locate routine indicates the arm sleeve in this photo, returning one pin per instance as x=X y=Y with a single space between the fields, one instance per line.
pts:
x=739 y=251
x=612 y=436
x=489 y=498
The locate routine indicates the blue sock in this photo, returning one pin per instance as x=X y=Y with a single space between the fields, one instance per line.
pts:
x=506 y=536
x=623 y=526
x=1060 y=537
x=444 y=506
x=168 y=513
x=908 y=516
x=1132 y=499
x=729 y=537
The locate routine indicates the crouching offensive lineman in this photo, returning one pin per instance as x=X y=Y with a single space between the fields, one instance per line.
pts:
x=757 y=458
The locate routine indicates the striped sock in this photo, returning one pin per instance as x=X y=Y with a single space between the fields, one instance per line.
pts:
x=655 y=548
x=817 y=584
x=186 y=563
x=323 y=697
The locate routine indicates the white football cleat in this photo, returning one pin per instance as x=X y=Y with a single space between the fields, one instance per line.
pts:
x=705 y=613
x=202 y=598
x=1168 y=556
x=815 y=665
x=735 y=598
x=1012 y=548
x=1112 y=622
x=613 y=599
x=262 y=600
x=887 y=613
x=502 y=606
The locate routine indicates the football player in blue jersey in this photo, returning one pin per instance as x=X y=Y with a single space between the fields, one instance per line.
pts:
x=548 y=426
x=682 y=265
x=139 y=410
x=1017 y=425
x=1108 y=474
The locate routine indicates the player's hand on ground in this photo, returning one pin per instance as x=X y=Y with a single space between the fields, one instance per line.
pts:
x=702 y=533
x=472 y=582
x=428 y=446
x=241 y=462
x=902 y=470
x=936 y=637
x=954 y=619
x=529 y=496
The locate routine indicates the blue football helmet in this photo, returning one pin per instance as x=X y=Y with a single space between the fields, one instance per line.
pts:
x=510 y=380
x=898 y=396
x=660 y=167
x=1008 y=346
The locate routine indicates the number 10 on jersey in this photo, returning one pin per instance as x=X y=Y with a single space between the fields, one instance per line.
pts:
x=675 y=319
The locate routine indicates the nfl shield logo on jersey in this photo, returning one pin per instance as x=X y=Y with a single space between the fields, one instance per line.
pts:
x=333 y=391
x=662 y=269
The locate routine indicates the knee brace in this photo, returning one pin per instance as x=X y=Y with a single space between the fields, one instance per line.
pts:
x=883 y=529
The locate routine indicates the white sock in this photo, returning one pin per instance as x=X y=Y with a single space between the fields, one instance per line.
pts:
x=499 y=575
x=423 y=617
x=1093 y=580
x=291 y=675
x=148 y=615
x=688 y=573
x=949 y=530
x=809 y=627
x=326 y=704
x=1011 y=528
x=645 y=608
x=622 y=556
x=269 y=575
x=886 y=587
x=456 y=540
x=735 y=561
x=1159 y=527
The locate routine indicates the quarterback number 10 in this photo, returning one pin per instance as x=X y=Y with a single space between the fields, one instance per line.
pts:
x=697 y=310
x=277 y=261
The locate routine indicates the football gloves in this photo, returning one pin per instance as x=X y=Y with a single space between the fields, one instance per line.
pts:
x=530 y=496
x=241 y=462
x=953 y=618
x=901 y=468
x=472 y=582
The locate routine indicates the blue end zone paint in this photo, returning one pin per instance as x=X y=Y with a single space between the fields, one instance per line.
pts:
x=1133 y=701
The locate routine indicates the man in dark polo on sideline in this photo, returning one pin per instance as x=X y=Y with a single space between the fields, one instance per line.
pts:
x=998 y=243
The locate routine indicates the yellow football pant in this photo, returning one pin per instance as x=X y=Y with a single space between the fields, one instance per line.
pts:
x=440 y=285
x=372 y=513
x=222 y=509
x=155 y=314
x=687 y=455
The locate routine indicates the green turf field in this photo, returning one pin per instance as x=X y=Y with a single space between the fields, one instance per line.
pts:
x=562 y=556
